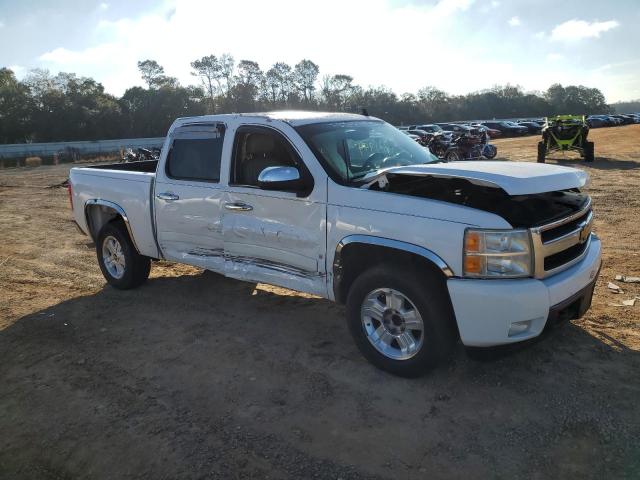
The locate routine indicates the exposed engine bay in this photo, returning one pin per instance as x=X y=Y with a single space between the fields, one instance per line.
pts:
x=521 y=211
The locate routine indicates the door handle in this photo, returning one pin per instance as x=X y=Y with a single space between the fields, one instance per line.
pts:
x=167 y=196
x=238 y=206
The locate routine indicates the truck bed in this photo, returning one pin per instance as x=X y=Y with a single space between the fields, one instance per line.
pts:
x=145 y=166
x=127 y=185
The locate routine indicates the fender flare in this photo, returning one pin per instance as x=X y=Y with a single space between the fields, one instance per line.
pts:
x=427 y=254
x=114 y=206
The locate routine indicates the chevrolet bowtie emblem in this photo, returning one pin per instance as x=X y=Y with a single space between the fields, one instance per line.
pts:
x=585 y=231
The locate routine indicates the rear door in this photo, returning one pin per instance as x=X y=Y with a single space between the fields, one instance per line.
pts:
x=188 y=197
x=270 y=236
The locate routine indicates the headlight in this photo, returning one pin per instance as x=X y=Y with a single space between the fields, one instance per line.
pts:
x=497 y=253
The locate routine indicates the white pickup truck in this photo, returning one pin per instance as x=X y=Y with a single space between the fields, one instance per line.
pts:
x=349 y=208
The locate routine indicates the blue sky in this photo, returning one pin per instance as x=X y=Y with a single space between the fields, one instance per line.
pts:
x=455 y=45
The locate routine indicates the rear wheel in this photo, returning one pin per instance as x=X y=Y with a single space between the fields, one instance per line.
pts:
x=589 y=152
x=542 y=152
x=402 y=322
x=122 y=266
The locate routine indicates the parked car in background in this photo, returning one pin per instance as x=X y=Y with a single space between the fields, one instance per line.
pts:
x=597 y=121
x=492 y=132
x=633 y=118
x=508 y=129
x=424 y=136
x=624 y=120
x=412 y=136
x=534 y=127
x=455 y=128
x=429 y=127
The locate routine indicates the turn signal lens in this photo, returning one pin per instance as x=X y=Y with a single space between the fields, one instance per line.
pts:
x=473 y=264
x=472 y=242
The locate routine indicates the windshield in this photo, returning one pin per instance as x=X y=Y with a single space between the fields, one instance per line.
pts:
x=351 y=150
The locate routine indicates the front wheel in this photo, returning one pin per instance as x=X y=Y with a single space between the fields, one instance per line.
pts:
x=589 y=153
x=453 y=155
x=122 y=266
x=402 y=322
x=542 y=152
x=489 y=151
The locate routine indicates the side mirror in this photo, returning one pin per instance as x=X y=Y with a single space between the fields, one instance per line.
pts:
x=281 y=178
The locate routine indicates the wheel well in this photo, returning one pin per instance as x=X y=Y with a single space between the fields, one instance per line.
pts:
x=98 y=216
x=355 y=258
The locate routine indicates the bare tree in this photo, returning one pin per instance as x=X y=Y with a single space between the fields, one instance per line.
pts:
x=150 y=71
x=305 y=76
x=227 y=65
x=279 y=82
x=336 y=90
x=209 y=70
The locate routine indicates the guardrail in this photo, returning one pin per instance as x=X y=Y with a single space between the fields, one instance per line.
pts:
x=22 y=150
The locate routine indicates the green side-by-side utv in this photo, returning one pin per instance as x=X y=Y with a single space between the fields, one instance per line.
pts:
x=565 y=132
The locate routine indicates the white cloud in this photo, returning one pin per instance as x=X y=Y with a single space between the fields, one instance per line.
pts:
x=573 y=30
x=487 y=7
x=539 y=35
x=18 y=70
x=103 y=6
x=554 y=57
x=514 y=22
x=119 y=45
x=1 y=24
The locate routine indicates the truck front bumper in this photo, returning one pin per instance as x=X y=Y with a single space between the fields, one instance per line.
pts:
x=498 y=312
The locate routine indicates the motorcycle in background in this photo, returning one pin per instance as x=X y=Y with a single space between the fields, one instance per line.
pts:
x=473 y=145
x=141 y=154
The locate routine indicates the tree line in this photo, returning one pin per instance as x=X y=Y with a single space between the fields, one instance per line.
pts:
x=65 y=107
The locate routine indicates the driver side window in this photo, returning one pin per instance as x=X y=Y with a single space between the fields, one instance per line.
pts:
x=256 y=149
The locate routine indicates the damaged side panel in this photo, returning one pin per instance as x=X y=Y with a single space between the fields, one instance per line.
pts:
x=190 y=227
x=281 y=240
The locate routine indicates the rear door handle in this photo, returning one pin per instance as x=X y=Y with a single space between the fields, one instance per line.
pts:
x=238 y=206
x=167 y=196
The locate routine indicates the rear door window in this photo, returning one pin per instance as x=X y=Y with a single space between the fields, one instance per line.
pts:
x=196 y=153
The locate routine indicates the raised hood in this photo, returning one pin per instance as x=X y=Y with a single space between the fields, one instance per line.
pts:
x=515 y=178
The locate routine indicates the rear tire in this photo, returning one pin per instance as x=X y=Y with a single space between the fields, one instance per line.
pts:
x=542 y=152
x=385 y=303
x=122 y=266
x=589 y=152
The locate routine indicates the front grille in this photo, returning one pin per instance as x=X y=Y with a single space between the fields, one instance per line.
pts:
x=558 y=259
x=570 y=226
x=560 y=244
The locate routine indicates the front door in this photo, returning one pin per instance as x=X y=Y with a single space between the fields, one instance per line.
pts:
x=188 y=197
x=276 y=237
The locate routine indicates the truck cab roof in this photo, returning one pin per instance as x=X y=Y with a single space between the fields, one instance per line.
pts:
x=293 y=117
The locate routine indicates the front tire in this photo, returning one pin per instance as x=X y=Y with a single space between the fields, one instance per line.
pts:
x=401 y=320
x=453 y=155
x=122 y=266
x=542 y=152
x=589 y=153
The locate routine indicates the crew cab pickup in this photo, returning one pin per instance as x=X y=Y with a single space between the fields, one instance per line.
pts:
x=423 y=253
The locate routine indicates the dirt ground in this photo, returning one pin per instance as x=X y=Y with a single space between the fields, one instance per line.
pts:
x=197 y=376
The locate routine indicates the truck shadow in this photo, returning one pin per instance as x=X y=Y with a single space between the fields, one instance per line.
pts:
x=150 y=382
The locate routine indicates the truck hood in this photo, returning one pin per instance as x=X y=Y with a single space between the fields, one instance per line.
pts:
x=515 y=178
